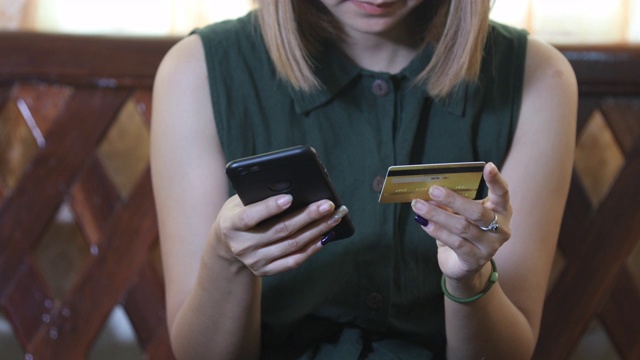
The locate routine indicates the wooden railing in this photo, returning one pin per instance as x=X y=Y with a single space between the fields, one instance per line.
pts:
x=78 y=232
x=72 y=92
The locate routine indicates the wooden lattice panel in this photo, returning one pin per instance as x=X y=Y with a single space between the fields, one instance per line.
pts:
x=78 y=233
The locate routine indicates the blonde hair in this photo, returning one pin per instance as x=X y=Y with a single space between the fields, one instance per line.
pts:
x=294 y=29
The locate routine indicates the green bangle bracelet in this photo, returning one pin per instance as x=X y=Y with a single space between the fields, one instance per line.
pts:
x=492 y=280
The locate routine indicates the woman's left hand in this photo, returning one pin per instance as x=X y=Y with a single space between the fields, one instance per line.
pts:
x=455 y=221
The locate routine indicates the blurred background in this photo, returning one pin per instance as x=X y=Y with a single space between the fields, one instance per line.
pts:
x=558 y=21
x=561 y=22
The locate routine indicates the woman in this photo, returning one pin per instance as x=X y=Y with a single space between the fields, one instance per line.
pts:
x=368 y=84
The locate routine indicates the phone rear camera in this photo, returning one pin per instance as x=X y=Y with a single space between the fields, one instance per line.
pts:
x=281 y=186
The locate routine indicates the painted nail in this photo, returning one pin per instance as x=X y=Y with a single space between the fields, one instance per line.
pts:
x=420 y=220
x=327 y=238
x=338 y=214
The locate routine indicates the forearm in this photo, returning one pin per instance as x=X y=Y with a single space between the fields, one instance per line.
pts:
x=220 y=319
x=491 y=327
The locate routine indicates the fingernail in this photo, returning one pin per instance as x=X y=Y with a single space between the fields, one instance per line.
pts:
x=326 y=207
x=327 y=238
x=338 y=214
x=418 y=206
x=436 y=192
x=284 y=200
x=420 y=220
x=493 y=169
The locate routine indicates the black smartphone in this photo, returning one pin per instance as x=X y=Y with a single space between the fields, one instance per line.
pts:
x=297 y=171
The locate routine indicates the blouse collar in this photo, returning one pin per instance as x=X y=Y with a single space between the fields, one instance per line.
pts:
x=335 y=71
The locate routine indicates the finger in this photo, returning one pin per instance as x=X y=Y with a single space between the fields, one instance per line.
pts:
x=468 y=256
x=286 y=226
x=498 y=199
x=474 y=211
x=479 y=213
x=317 y=232
x=446 y=220
x=290 y=261
x=251 y=215
x=288 y=253
x=462 y=247
x=456 y=231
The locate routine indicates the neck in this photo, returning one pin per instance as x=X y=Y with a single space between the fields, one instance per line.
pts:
x=390 y=52
x=394 y=49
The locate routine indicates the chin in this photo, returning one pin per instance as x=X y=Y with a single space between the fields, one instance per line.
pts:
x=377 y=27
x=362 y=17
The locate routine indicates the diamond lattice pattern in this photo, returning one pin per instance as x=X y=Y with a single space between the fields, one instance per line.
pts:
x=85 y=260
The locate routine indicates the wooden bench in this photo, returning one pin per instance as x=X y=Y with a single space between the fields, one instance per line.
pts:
x=78 y=232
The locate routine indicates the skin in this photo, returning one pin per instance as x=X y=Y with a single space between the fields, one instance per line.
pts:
x=384 y=35
x=213 y=279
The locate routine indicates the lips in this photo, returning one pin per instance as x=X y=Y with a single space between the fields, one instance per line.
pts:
x=373 y=8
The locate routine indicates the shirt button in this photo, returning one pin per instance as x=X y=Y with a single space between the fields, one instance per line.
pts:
x=378 y=183
x=380 y=87
x=375 y=301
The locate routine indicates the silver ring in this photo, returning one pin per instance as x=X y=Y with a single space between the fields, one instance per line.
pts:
x=493 y=226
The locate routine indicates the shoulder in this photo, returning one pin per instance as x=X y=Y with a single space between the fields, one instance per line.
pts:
x=549 y=94
x=181 y=93
x=550 y=84
x=189 y=56
x=546 y=66
x=206 y=49
x=232 y=53
x=237 y=34
x=182 y=68
x=547 y=124
x=241 y=26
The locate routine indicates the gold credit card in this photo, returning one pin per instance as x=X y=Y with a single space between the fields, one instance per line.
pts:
x=407 y=182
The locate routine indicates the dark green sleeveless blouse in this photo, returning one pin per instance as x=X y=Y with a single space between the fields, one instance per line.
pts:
x=378 y=292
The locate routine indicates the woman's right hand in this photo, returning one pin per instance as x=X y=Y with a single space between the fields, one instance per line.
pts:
x=244 y=235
